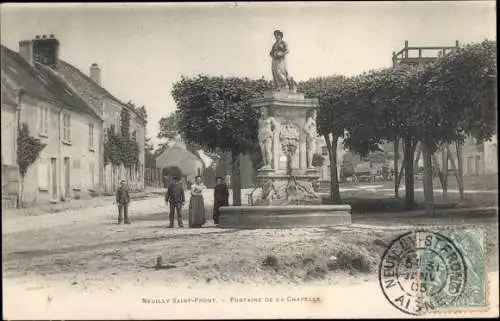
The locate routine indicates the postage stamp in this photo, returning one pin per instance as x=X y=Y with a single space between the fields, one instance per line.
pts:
x=246 y=159
x=432 y=271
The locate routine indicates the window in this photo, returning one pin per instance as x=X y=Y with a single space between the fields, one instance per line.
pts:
x=134 y=135
x=66 y=127
x=43 y=120
x=324 y=151
x=101 y=109
x=91 y=136
x=117 y=121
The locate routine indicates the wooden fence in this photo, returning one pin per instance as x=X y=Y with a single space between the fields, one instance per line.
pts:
x=134 y=176
x=153 y=177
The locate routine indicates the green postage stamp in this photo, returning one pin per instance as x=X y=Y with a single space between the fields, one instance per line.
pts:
x=431 y=271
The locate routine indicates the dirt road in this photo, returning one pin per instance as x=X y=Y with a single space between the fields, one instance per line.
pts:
x=82 y=262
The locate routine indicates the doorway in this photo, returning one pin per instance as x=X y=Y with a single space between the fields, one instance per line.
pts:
x=67 y=175
x=53 y=177
x=478 y=165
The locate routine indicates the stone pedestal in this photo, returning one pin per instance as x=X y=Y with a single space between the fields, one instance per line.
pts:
x=283 y=200
x=290 y=110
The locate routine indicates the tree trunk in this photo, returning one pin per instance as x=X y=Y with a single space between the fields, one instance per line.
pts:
x=396 y=176
x=332 y=154
x=444 y=158
x=20 y=193
x=428 y=186
x=400 y=175
x=460 y=170
x=235 y=179
x=417 y=158
x=453 y=165
x=439 y=172
x=409 y=153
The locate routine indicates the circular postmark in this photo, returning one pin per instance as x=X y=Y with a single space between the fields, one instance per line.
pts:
x=422 y=271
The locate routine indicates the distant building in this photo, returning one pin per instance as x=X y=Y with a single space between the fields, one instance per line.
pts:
x=179 y=156
x=478 y=159
x=36 y=95
x=324 y=171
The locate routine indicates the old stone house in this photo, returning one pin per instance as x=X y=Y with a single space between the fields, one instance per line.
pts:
x=480 y=159
x=179 y=156
x=9 y=132
x=107 y=106
x=36 y=95
x=477 y=159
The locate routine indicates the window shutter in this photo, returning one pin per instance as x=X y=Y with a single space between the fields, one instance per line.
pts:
x=46 y=120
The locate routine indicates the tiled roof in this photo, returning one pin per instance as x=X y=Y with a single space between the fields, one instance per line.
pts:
x=87 y=88
x=64 y=91
x=23 y=74
x=42 y=81
x=90 y=91
x=7 y=93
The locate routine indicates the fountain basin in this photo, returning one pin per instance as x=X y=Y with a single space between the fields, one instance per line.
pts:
x=261 y=217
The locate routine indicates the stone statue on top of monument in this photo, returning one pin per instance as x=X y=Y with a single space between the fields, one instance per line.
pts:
x=280 y=73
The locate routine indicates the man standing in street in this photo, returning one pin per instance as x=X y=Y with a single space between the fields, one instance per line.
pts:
x=175 y=196
x=122 y=199
x=221 y=197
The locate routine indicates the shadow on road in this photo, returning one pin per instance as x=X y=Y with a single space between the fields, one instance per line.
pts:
x=158 y=216
x=114 y=244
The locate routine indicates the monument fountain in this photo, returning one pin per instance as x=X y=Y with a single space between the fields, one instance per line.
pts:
x=285 y=196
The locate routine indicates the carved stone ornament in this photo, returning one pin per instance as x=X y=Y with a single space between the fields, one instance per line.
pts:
x=289 y=137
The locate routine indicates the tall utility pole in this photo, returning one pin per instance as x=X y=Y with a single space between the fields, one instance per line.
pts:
x=419 y=56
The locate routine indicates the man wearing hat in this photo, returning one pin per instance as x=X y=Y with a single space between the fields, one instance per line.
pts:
x=122 y=199
x=175 y=196
x=221 y=197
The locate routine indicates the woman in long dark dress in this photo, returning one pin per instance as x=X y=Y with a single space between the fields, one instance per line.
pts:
x=196 y=204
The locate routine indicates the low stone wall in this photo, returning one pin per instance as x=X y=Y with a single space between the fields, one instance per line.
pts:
x=252 y=217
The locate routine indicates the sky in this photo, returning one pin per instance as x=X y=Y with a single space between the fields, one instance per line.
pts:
x=143 y=49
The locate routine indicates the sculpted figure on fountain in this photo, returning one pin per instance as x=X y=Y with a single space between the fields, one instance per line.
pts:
x=268 y=128
x=311 y=137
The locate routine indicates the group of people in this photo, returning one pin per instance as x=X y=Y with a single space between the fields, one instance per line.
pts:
x=175 y=198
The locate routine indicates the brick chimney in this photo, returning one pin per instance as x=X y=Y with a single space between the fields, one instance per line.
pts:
x=26 y=50
x=42 y=49
x=95 y=73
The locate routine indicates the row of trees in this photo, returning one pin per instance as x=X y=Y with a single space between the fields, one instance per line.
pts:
x=434 y=104
x=442 y=102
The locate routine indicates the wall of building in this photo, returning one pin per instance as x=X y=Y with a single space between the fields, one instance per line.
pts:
x=46 y=178
x=189 y=163
x=9 y=128
x=112 y=116
x=491 y=156
x=9 y=133
x=324 y=171
x=29 y=114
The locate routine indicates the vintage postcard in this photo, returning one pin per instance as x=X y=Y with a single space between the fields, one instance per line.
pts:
x=241 y=160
